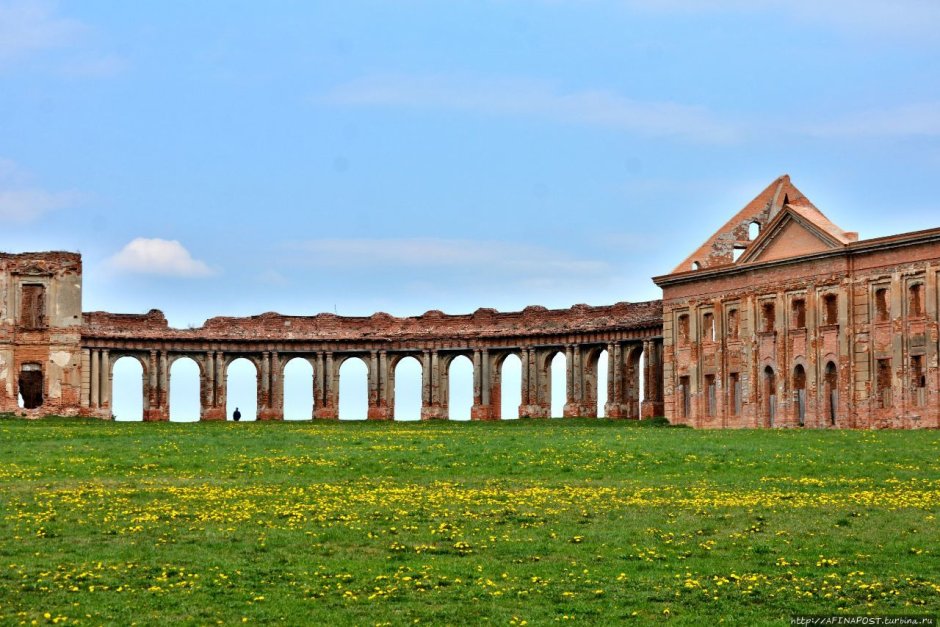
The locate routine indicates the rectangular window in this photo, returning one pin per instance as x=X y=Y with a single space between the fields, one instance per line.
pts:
x=769 y=314
x=733 y=324
x=708 y=327
x=881 y=304
x=799 y=313
x=916 y=300
x=734 y=390
x=33 y=307
x=883 y=373
x=683 y=329
x=831 y=309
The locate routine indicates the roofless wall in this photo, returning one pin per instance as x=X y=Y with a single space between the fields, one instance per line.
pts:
x=486 y=337
x=780 y=318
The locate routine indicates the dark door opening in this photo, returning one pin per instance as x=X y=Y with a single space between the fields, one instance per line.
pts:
x=832 y=392
x=31 y=387
x=770 y=394
x=799 y=385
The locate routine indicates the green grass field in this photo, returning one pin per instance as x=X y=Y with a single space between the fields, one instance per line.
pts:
x=524 y=522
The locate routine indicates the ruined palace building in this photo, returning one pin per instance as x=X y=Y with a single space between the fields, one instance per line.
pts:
x=780 y=319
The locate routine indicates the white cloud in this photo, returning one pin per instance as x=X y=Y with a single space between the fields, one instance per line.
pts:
x=160 y=257
x=21 y=201
x=525 y=98
x=28 y=26
x=522 y=260
x=922 y=119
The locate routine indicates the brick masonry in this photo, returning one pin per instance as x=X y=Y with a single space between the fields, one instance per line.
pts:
x=796 y=330
x=800 y=324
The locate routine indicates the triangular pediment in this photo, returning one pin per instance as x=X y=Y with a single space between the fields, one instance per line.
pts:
x=787 y=225
x=794 y=232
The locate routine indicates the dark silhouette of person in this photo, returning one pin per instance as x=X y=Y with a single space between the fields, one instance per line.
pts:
x=237 y=415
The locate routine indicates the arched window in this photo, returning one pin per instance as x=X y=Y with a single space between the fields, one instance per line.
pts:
x=753 y=230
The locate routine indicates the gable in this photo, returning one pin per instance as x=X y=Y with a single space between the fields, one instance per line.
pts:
x=788 y=224
x=718 y=250
x=791 y=239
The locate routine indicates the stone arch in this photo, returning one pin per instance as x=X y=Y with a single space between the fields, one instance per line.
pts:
x=297 y=373
x=196 y=358
x=354 y=388
x=506 y=394
x=556 y=391
x=408 y=387
x=126 y=403
x=184 y=394
x=632 y=384
x=241 y=391
x=391 y=368
x=229 y=358
x=595 y=362
x=459 y=388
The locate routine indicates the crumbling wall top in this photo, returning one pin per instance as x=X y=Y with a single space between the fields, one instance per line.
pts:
x=430 y=325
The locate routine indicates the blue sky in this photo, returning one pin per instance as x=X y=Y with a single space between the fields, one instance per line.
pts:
x=231 y=158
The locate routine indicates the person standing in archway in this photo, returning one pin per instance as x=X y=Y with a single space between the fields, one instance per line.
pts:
x=237 y=415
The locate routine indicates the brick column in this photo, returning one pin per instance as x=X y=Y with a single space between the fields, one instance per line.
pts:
x=375 y=411
x=575 y=377
x=383 y=382
x=106 y=379
x=277 y=387
x=330 y=408
x=481 y=409
x=432 y=407
x=652 y=405
x=477 y=380
x=215 y=409
x=319 y=388
x=210 y=379
x=95 y=384
x=154 y=410
x=524 y=358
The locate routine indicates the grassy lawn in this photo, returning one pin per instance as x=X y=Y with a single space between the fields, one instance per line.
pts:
x=586 y=521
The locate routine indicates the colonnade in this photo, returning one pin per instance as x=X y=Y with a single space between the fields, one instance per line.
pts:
x=581 y=359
